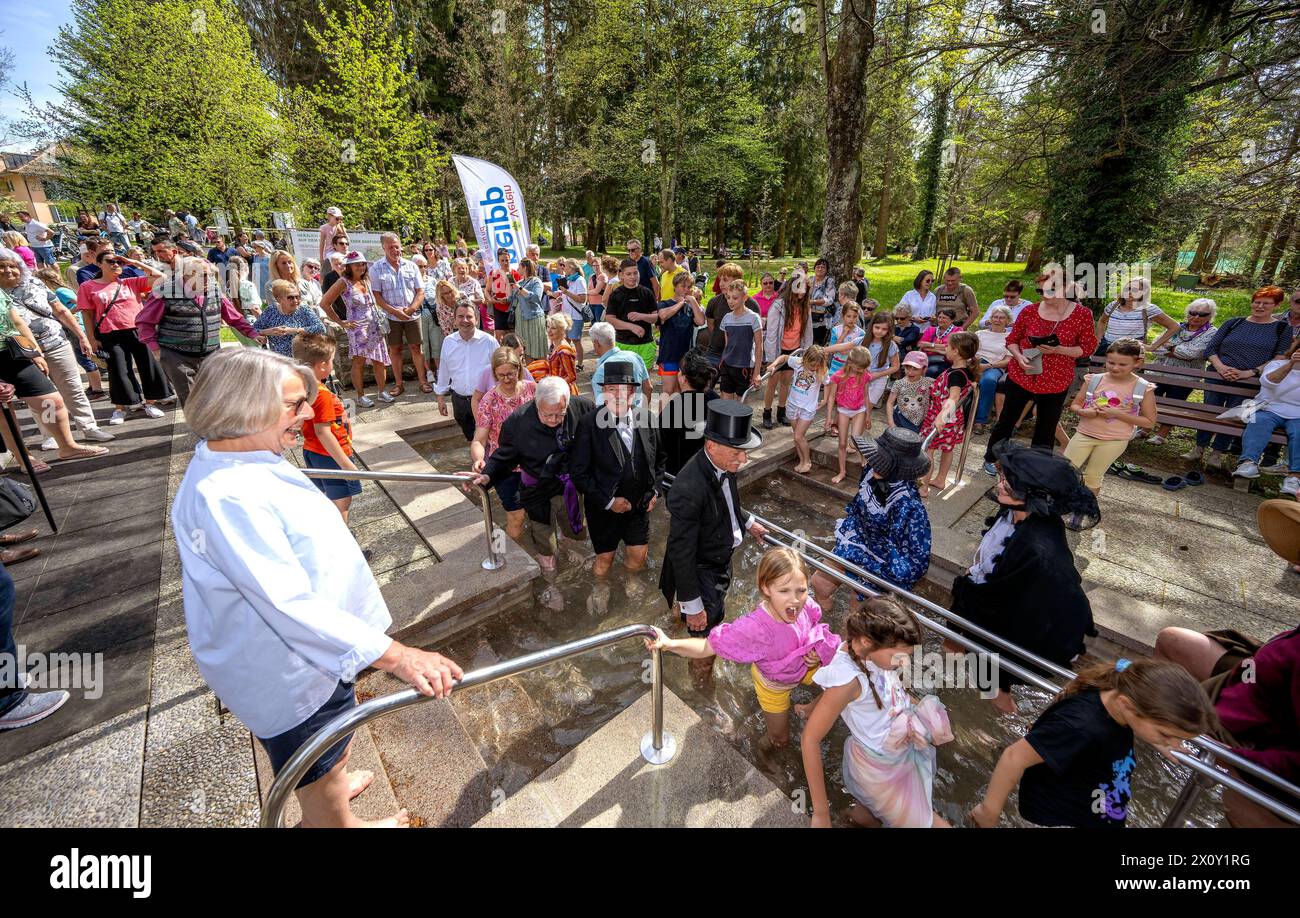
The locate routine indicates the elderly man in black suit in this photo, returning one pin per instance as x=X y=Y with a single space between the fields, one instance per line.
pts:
x=617 y=464
x=707 y=523
x=538 y=438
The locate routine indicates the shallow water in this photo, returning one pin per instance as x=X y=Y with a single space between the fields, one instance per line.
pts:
x=578 y=695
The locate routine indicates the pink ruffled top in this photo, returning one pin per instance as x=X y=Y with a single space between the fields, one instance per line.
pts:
x=775 y=647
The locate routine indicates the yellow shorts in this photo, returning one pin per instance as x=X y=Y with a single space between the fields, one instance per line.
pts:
x=771 y=698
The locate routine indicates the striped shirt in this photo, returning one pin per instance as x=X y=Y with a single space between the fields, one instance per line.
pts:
x=1246 y=345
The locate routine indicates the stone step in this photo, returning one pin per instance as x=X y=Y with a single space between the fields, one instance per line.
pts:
x=434 y=766
x=377 y=802
x=604 y=782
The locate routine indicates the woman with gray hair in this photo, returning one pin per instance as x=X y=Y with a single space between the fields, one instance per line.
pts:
x=48 y=318
x=281 y=610
x=1183 y=346
x=993 y=359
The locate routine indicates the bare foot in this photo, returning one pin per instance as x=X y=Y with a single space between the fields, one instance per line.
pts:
x=401 y=821
x=838 y=478
x=82 y=452
x=803 y=469
x=358 y=781
x=803 y=710
x=1005 y=703
x=861 y=816
x=923 y=489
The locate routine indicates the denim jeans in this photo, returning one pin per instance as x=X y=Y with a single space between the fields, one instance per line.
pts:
x=989 y=380
x=13 y=694
x=1261 y=428
x=44 y=255
x=1222 y=442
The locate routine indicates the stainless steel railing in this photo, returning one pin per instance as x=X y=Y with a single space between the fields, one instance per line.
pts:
x=1201 y=768
x=657 y=747
x=1204 y=770
x=496 y=558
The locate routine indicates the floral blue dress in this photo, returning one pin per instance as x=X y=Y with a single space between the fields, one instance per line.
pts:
x=886 y=530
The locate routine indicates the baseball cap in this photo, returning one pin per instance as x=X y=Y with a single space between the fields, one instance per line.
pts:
x=916 y=359
x=333 y=212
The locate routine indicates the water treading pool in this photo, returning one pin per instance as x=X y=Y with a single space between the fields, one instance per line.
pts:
x=579 y=695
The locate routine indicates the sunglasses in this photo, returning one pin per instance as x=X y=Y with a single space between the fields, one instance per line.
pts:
x=1204 y=315
x=110 y=261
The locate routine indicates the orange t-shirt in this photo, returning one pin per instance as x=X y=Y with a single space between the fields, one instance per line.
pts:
x=327 y=409
x=790 y=339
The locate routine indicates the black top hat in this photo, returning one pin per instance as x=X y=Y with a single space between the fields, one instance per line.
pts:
x=730 y=423
x=618 y=373
x=895 y=455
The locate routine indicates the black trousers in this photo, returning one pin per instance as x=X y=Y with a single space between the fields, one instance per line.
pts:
x=1050 y=406
x=460 y=408
x=125 y=348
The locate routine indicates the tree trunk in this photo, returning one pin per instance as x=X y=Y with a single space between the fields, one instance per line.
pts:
x=1256 y=250
x=881 y=244
x=1013 y=243
x=845 y=126
x=1212 y=257
x=778 y=247
x=1203 y=246
x=552 y=141
x=1282 y=236
x=1035 y=260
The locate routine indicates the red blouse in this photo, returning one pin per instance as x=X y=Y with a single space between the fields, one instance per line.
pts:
x=1075 y=330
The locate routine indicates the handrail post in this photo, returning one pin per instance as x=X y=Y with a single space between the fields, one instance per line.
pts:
x=1191 y=792
x=495 y=560
x=655 y=747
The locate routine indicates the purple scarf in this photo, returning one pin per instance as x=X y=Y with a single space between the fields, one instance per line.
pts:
x=572 y=506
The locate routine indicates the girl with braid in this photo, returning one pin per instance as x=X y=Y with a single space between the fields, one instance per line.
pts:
x=889 y=755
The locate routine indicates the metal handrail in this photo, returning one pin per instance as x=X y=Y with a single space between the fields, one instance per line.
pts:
x=1206 y=743
x=1200 y=768
x=657 y=747
x=495 y=559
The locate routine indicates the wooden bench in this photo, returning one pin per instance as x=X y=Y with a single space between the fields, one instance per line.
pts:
x=1195 y=415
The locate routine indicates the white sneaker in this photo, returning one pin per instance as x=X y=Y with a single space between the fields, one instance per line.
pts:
x=119 y=417
x=36 y=706
x=94 y=433
x=1291 y=484
x=1247 y=469
x=1155 y=440
x=153 y=411
x=48 y=444
x=385 y=397
x=1194 y=453
x=366 y=401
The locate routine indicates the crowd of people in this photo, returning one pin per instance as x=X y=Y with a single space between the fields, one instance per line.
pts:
x=283 y=612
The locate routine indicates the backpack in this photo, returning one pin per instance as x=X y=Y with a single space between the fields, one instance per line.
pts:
x=1139 y=392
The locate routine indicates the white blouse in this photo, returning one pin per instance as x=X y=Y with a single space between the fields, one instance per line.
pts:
x=866 y=720
x=922 y=308
x=280 y=605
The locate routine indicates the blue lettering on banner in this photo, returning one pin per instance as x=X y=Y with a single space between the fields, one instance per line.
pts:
x=501 y=222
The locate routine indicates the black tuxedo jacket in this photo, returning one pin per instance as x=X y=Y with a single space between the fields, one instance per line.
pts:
x=700 y=533
x=528 y=443
x=597 y=461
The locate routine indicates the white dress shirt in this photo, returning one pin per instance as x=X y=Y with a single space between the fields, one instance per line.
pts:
x=625 y=433
x=462 y=362
x=280 y=605
x=696 y=605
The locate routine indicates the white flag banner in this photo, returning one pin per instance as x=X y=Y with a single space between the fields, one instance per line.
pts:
x=496 y=207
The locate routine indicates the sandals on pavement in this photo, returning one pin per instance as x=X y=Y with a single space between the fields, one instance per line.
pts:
x=396 y=390
x=426 y=388
x=1174 y=483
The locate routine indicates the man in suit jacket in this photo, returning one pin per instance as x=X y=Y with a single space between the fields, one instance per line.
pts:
x=707 y=522
x=617 y=464
x=538 y=438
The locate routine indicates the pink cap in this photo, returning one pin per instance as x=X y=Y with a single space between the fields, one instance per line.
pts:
x=916 y=359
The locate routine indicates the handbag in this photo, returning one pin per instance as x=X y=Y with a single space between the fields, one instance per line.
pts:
x=1245 y=411
x=16 y=502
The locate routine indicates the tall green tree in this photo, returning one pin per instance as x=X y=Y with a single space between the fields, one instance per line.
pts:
x=164 y=106
x=356 y=141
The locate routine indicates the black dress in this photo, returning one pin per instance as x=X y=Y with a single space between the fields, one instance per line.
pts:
x=1033 y=596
